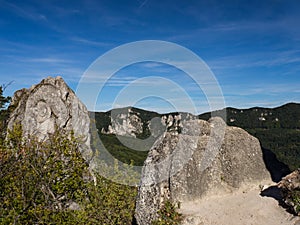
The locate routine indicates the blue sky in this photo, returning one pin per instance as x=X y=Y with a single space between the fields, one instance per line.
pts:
x=252 y=47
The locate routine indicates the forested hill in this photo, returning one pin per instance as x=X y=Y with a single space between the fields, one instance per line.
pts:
x=286 y=117
x=278 y=129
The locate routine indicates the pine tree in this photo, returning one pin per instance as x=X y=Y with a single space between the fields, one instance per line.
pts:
x=4 y=113
x=3 y=100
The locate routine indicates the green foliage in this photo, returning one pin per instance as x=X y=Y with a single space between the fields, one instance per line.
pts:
x=4 y=114
x=40 y=180
x=168 y=215
x=110 y=203
x=295 y=198
x=286 y=116
x=285 y=143
x=124 y=153
x=3 y=100
x=102 y=120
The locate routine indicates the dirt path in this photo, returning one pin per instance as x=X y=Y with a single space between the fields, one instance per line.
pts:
x=240 y=208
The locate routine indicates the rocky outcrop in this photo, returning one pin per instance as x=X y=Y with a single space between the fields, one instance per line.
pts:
x=290 y=189
x=49 y=105
x=124 y=122
x=206 y=158
x=135 y=122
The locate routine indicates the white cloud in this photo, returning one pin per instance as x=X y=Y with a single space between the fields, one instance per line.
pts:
x=90 y=42
x=47 y=60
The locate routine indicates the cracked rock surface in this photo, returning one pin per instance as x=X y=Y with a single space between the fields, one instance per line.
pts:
x=47 y=105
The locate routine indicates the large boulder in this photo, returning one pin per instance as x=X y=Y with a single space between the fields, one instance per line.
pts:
x=206 y=158
x=49 y=105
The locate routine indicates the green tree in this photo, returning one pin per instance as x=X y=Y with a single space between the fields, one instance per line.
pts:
x=4 y=113
x=3 y=100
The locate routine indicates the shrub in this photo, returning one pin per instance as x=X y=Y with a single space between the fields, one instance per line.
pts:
x=168 y=214
x=40 y=181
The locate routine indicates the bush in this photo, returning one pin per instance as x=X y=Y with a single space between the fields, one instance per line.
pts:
x=40 y=180
x=168 y=214
x=295 y=198
x=49 y=183
x=110 y=203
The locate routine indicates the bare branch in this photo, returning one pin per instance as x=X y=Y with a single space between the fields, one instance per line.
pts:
x=4 y=86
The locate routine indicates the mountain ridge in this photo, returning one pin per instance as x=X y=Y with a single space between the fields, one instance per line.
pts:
x=278 y=129
x=173 y=112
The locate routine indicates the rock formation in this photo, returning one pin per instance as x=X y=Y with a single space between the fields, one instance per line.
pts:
x=206 y=158
x=135 y=122
x=49 y=105
x=290 y=189
x=125 y=122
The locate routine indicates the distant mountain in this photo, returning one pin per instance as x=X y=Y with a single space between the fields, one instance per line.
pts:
x=135 y=122
x=278 y=129
x=286 y=117
x=128 y=121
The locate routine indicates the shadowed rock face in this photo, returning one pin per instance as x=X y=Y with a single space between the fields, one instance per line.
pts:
x=49 y=105
x=196 y=163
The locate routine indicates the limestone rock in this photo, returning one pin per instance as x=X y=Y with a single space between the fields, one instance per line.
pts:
x=206 y=158
x=124 y=122
x=133 y=122
x=47 y=105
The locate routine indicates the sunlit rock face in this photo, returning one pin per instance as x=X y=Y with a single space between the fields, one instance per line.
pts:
x=49 y=105
x=206 y=158
x=134 y=122
x=125 y=122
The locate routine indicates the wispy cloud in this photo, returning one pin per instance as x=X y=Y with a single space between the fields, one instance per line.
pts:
x=48 y=60
x=257 y=59
x=25 y=12
x=91 y=42
x=265 y=89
